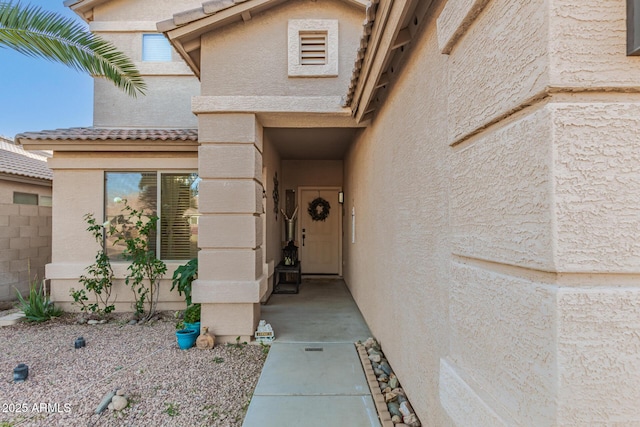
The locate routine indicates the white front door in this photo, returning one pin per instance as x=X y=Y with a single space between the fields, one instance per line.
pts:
x=319 y=240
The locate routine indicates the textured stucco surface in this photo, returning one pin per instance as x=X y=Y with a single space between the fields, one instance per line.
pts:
x=501 y=201
x=599 y=355
x=502 y=335
x=252 y=58
x=588 y=45
x=454 y=20
x=396 y=179
x=597 y=186
x=498 y=64
x=149 y=10
x=462 y=402
x=271 y=164
x=167 y=104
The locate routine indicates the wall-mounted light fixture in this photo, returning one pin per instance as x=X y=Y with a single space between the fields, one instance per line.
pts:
x=341 y=197
x=633 y=27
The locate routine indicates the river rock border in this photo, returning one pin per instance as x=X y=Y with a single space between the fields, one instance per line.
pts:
x=389 y=398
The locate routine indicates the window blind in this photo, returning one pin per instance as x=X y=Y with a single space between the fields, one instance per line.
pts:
x=155 y=47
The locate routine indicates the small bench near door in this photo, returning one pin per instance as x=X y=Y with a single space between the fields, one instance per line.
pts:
x=283 y=269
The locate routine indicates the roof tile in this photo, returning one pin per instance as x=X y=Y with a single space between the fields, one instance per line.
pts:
x=16 y=161
x=103 y=134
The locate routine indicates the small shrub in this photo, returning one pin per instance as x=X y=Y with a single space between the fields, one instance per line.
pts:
x=145 y=270
x=192 y=314
x=172 y=410
x=37 y=307
x=100 y=275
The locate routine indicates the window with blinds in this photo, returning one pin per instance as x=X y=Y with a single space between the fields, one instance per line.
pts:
x=177 y=196
x=155 y=48
x=313 y=48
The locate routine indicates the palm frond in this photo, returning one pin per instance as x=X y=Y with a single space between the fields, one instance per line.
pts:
x=33 y=31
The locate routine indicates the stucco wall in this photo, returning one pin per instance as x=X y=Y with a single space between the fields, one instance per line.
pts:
x=322 y=173
x=397 y=180
x=251 y=58
x=167 y=104
x=496 y=257
x=271 y=165
x=79 y=179
x=25 y=239
x=170 y=85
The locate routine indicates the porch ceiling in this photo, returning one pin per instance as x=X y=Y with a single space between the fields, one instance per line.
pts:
x=311 y=143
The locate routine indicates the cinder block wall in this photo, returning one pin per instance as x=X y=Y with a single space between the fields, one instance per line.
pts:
x=25 y=246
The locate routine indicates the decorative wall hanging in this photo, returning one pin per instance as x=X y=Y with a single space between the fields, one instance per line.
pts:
x=276 y=195
x=319 y=209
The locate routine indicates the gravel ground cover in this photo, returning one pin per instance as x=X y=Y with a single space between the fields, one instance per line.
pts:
x=164 y=385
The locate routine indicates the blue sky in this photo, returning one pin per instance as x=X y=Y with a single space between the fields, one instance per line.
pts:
x=36 y=94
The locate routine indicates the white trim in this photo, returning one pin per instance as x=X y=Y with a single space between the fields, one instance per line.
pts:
x=271 y=104
x=297 y=27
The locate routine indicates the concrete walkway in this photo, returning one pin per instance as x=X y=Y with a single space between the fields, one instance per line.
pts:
x=313 y=375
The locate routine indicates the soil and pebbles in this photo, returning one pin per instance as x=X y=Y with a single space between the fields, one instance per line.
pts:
x=390 y=399
x=136 y=369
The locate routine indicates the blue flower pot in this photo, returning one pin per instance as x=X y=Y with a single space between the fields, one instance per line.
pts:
x=186 y=338
x=195 y=326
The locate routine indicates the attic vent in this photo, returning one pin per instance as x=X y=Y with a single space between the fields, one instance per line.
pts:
x=313 y=48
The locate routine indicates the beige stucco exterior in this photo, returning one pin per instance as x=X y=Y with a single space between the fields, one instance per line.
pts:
x=491 y=177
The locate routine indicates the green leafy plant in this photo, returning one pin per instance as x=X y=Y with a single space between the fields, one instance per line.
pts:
x=98 y=281
x=218 y=359
x=172 y=409
x=183 y=277
x=238 y=344
x=192 y=314
x=33 y=31
x=265 y=348
x=37 y=307
x=145 y=270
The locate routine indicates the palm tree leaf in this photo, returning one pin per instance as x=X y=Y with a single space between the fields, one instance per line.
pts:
x=35 y=32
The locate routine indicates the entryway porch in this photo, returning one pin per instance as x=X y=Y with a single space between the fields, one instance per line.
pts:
x=313 y=375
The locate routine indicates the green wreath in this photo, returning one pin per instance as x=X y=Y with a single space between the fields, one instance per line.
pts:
x=319 y=209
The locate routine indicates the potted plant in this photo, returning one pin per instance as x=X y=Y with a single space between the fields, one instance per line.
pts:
x=192 y=317
x=182 y=280
x=186 y=338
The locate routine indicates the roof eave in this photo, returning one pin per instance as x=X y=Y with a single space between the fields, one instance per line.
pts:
x=382 y=52
x=25 y=179
x=84 y=8
x=152 y=145
x=185 y=29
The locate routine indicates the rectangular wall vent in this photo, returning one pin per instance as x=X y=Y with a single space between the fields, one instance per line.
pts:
x=313 y=48
x=313 y=349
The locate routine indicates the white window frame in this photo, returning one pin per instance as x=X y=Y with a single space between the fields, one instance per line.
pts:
x=296 y=27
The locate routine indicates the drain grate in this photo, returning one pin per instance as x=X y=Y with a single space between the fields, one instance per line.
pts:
x=313 y=349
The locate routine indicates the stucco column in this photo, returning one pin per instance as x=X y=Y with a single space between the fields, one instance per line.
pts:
x=230 y=277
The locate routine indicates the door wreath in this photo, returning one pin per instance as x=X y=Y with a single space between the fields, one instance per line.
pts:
x=319 y=209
